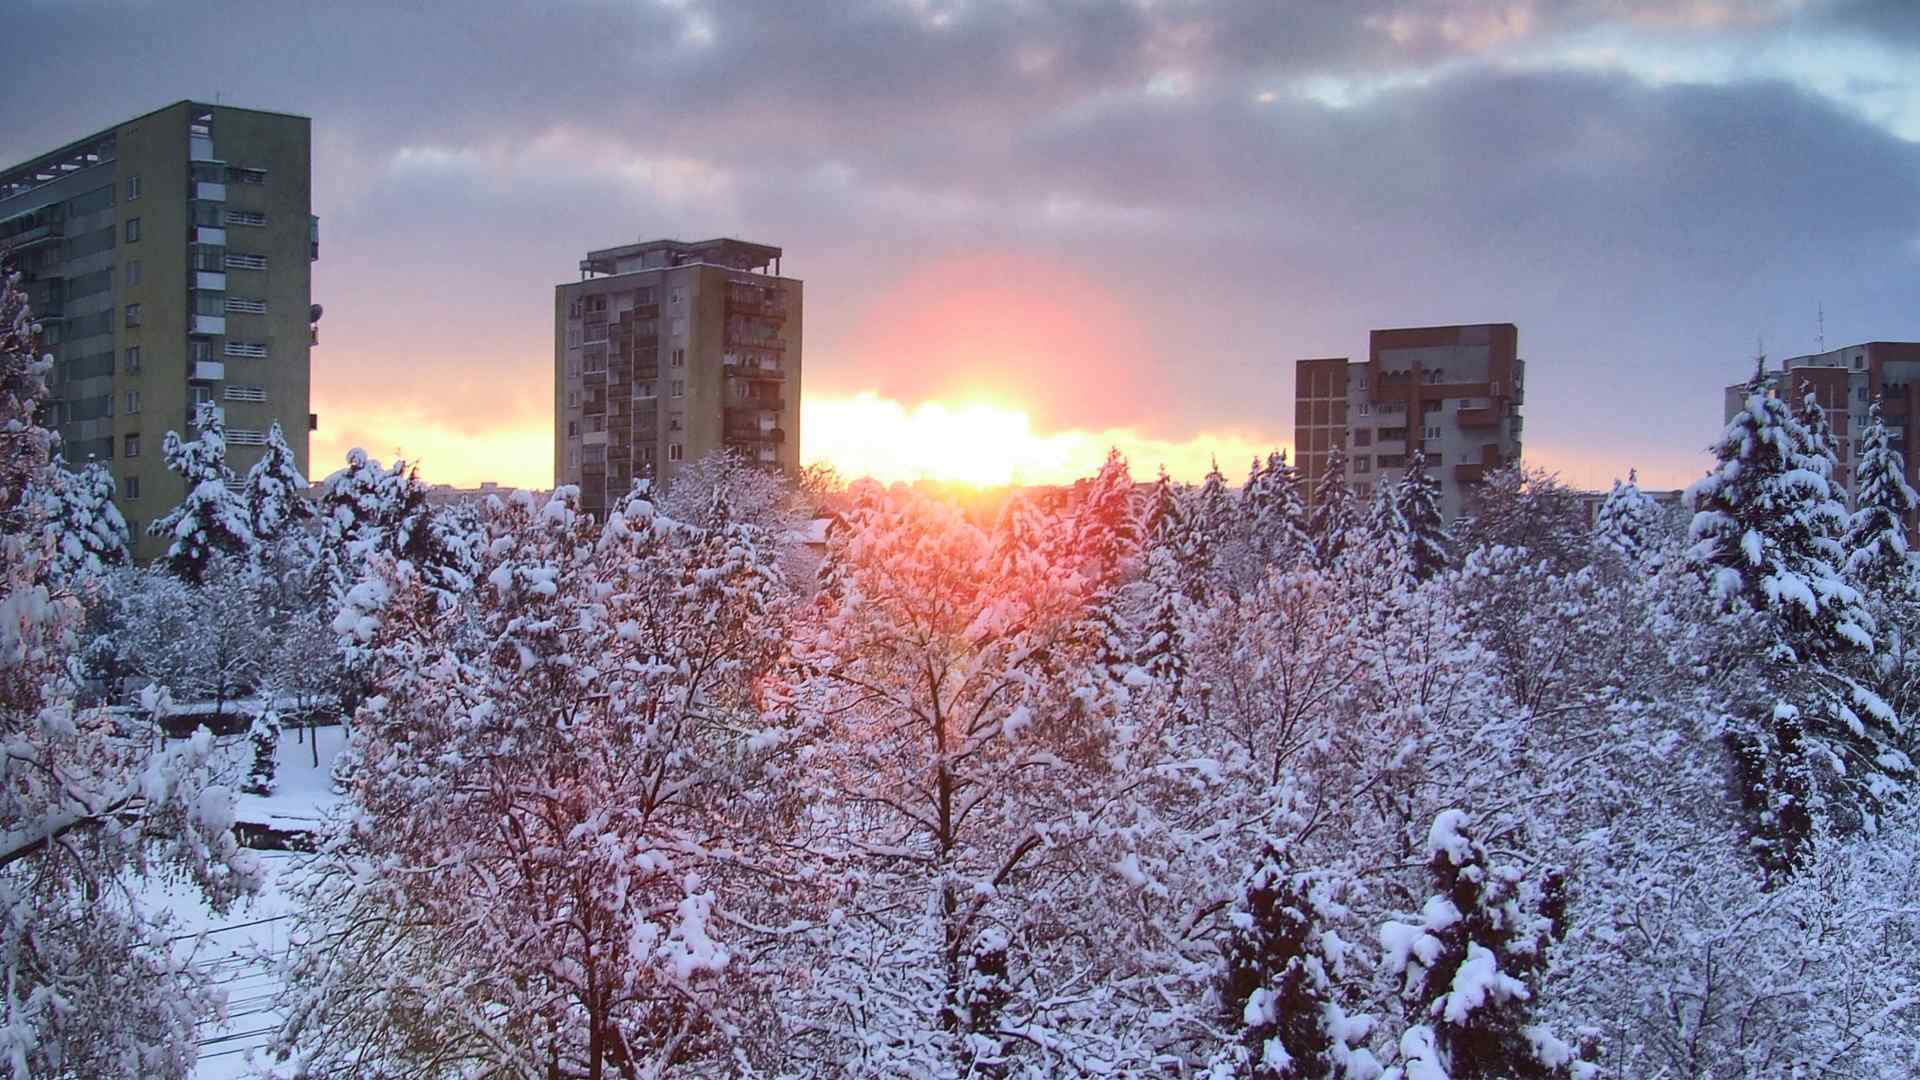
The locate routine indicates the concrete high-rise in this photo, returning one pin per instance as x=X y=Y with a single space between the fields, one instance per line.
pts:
x=1451 y=391
x=664 y=352
x=168 y=259
x=1846 y=382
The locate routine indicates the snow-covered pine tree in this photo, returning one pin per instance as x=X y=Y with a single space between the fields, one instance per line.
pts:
x=1766 y=533
x=89 y=534
x=1879 y=559
x=275 y=491
x=1418 y=504
x=1276 y=517
x=1627 y=523
x=1818 y=441
x=212 y=518
x=1335 y=513
x=263 y=738
x=1471 y=964
x=1104 y=539
x=1280 y=964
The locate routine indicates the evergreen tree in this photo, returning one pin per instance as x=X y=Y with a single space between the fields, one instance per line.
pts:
x=1818 y=443
x=1878 y=558
x=1163 y=513
x=1275 y=515
x=1277 y=983
x=1425 y=537
x=263 y=736
x=1105 y=529
x=1766 y=533
x=275 y=491
x=1627 y=523
x=1472 y=963
x=981 y=997
x=1335 y=511
x=88 y=532
x=212 y=518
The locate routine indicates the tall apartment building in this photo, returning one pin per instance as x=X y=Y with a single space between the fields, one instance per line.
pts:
x=1846 y=382
x=169 y=261
x=1453 y=391
x=664 y=352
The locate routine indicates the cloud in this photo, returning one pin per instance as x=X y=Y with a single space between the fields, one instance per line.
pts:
x=1118 y=216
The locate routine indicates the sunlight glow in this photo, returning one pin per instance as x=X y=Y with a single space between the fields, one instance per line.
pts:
x=984 y=443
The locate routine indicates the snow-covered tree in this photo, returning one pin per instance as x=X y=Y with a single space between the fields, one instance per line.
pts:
x=1279 y=984
x=561 y=847
x=89 y=534
x=1336 y=513
x=1417 y=504
x=1275 y=515
x=1878 y=556
x=275 y=492
x=95 y=984
x=1628 y=523
x=1767 y=533
x=212 y=518
x=1104 y=539
x=1518 y=506
x=263 y=740
x=1471 y=962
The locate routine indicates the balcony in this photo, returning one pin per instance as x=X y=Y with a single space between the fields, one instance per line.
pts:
x=771 y=309
x=775 y=436
x=1469 y=474
x=1390 y=446
x=739 y=339
x=207 y=234
x=213 y=280
x=740 y=368
x=1479 y=418
x=772 y=405
x=594 y=438
x=208 y=371
x=39 y=234
x=209 y=191
x=208 y=324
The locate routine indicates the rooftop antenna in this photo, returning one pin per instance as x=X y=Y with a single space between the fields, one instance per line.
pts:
x=1820 y=327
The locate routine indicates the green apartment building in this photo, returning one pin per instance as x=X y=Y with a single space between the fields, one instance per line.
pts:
x=169 y=261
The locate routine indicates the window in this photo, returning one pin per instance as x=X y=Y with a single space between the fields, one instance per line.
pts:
x=1363 y=436
x=1365 y=409
x=252 y=218
x=133 y=188
x=199 y=349
x=1363 y=380
x=680 y=327
x=133 y=272
x=573 y=429
x=1362 y=463
x=573 y=337
x=643 y=389
x=674 y=422
x=242 y=392
x=246 y=437
x=133 y=402
x=133 y=314
x=674 y=451
x=573 y=399
x=255 y=350
x=202 y=395
x=573 y=367
x=133 y=358
x=679 y=388
x=132 y=447
x=241 y=261
x=247 y=304
x=678 y=359
x=1432 y=432
x=246 y=176
x=133 y=230
x=677 y=297
x=130 y=488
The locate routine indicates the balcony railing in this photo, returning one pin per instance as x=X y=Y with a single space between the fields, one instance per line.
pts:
x=775 y=436
x=208 y=371
x=208 y=324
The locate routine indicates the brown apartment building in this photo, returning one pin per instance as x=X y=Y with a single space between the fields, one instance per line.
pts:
x=169 y=261
x=1846 y=382
x=666 y=351
x=1453 y=391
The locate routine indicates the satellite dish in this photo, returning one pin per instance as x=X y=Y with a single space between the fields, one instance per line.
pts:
x=313 y=313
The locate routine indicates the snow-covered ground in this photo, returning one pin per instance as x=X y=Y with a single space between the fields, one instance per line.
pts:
x=239 y=948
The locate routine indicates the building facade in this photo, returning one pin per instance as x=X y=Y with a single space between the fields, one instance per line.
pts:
x=664 y=352
x=1451 y=391
x=169 y=261
x=1846 y=382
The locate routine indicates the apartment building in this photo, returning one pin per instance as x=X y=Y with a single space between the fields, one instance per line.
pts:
x=665 y=351
x=1453 y=391
x=1846 y=382
x=169 y=261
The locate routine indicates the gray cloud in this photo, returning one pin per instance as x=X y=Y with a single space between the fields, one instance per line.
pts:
x=1640 y=236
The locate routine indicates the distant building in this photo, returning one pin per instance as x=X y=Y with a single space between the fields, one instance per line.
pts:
x=449 y=495
x=1671 y=501
x=1453 y=391
x=168 y=259
x=667 y=351
x=1846 y=382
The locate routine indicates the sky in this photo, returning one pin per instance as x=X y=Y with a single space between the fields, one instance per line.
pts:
x=1030 y=231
